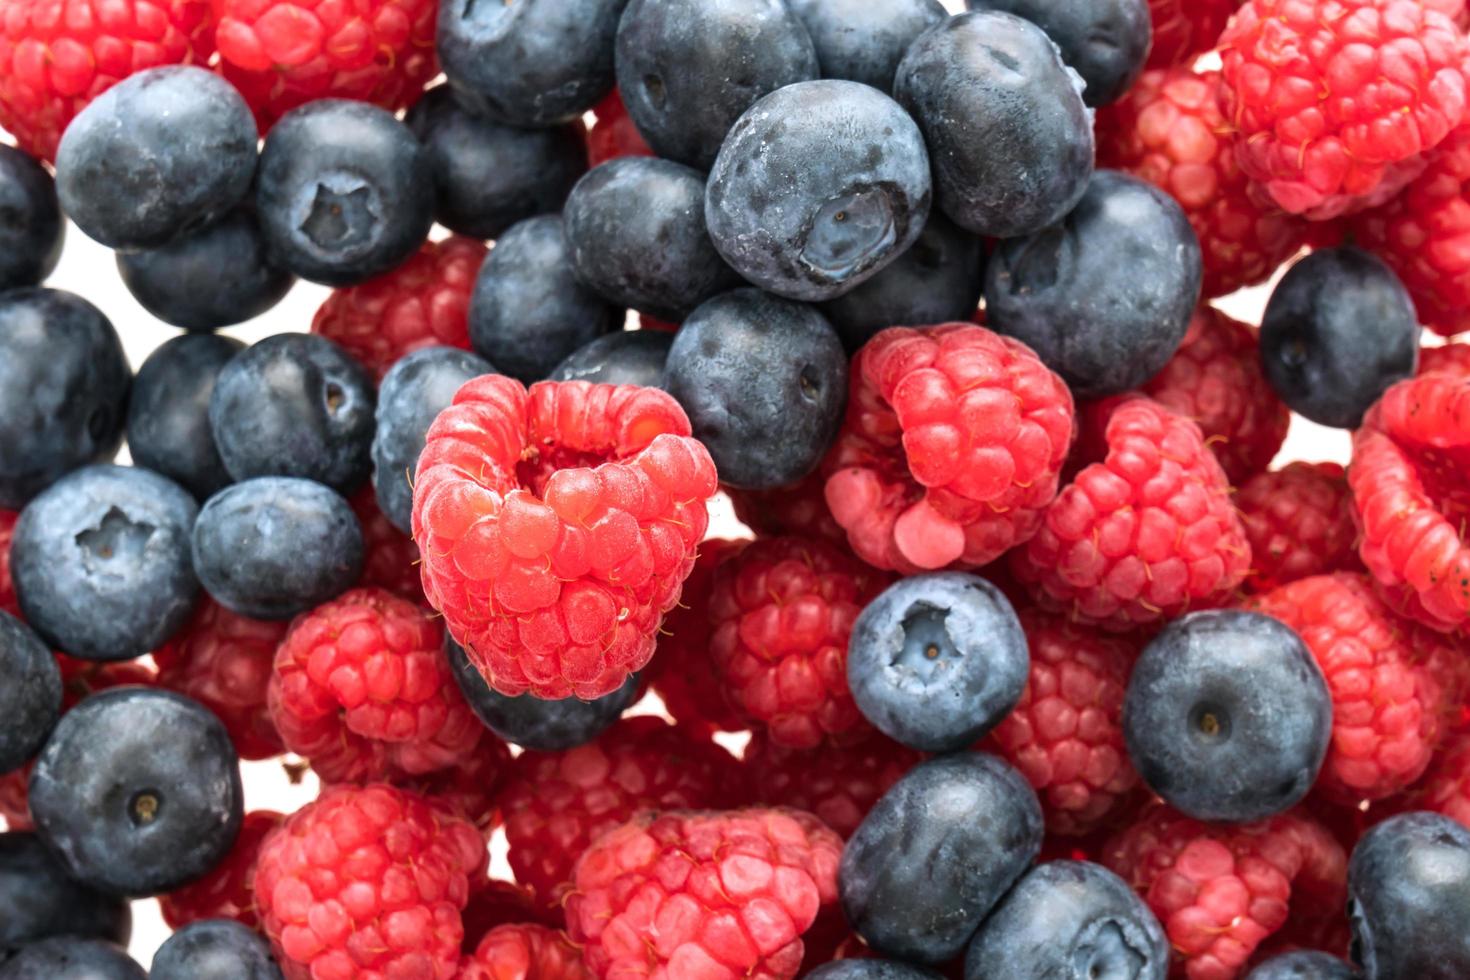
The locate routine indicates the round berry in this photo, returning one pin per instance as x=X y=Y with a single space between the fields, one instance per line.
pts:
x=214 y=950
x=1303 y=965
x=865 y=41
x=868 y=969
x=30 y=702
x=1106 y=42
x=41 y=900
x=32 y=233
x=628 y=357
x=168 y=413
x=69 y=958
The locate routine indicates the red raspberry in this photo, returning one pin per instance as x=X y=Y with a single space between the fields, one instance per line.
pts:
x=798 y=509
x=839 y=784
x=1336 y=102
x=1219 y=890
x=1445 y=788
x=7 y=587
x=1299 y=521
x=228 y=891
x=498 y=903
x=423 y=303
x=524 y=952
x=1185 y=29
x=952 y=447
x=557 y=803
x=614 y=135
x=1143 y=536
x=1450 y=358
x=368 y=882
x=718 y=896
x=557 y=527
x=390 y=558
x=58 y=55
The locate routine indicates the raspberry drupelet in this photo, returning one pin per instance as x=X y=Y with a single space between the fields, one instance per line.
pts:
x=7 y=586
x=1299 y=520
x=1448 y=358
x=838 y=783
x=494 y=902
x=800 y=508
x=524 y=951
x=1445 y=787
x=613 y=134
x=390 y=559
x=1185 y=29
x=227 y=892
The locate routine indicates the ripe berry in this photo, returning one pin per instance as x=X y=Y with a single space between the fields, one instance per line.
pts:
x=1299 y=521
x=42 y=900
x=865 y=43
x=214 y=951
x=30 y=702
x=525 y=951
x=627 y=357
x=1184 y=29
x=31 y=237
x=227 y=891
x=838 y=783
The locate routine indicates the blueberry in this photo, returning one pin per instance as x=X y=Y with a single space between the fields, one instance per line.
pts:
x=871 y=970
x=937 y=660
x=275 y=546
x=414 y=391
x=101 y=562
x=528 y=311
x=936 y=853
x=1227 y=716
x=628 y=357
x=214 y=949
x=159 y=153
x=31 y=229
x=1409 y=899
x=220 y=275
x=38 y=899
x=1070 y=920
x=1339 y=330
x=764 y=382
x=864 y=40
x=1007 y=130
x=1104 y=297
x=295 y=404
x=1303 y=965
x=488 y=176
x=168 y=414
x=71 y=958
x=345 y=192
x=530 y=722
x=687 y=69
x=63 y=390
x=635 y=226
x=30 y=699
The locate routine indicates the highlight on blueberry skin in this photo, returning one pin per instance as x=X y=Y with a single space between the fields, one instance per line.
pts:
x=30 y=699
x=628 y=357
x=214 y=949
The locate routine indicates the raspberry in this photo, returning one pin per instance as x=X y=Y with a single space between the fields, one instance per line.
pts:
x=557 y=803
x=719 y=896
x=423 y=303
x=952 y=447
x=1168 y=130
x=1143 y=536
x=390 y=558
x=614 y=135
x=1336 y=102
x=7 y=587
x=469 y=787
x=1445 y=788
x=557 y=526
x=1184 y=29
x=227 y=892
x=368 y=882
x=1219 y=890
x=1299 y=521
x=1450 y=358
x=798 y=509
x=58 y=55
x=839 y=784
x=524 y=952
x=498 y=903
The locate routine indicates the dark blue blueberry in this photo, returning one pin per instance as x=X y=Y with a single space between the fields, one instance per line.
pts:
x=295 y=404
x=30 y=698
x=159 y=153
x=214 y=949
x=38 y=899
x=530 y=722
x=864 y=40
x=1105 y=296
x=628 y=357
x=635 y=226
x=764 y=382
x=937 y=660
x=63 y=390
x=101 y=562
x=415 y=390
x=489 y=176
x=345 y=192
x=168 y=413
x=1227 y=716
x=1339 y=330
x=528 y=310
x=71 y=958
x=214 y=277
x=138 y=791
x=936 y=853
x=687 y=69
x=1070 y=920
x=1409 y=899
x=31 y=229
x=275 y=546
x=1007 y=130
x=1303 y=965
x=871 y=970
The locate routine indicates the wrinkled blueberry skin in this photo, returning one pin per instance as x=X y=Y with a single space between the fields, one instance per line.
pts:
x=1227 y=716
x=345 y=192
x=528 y=310
x=1104 y=297
x=274 y=546
x=30 y=698
x=214 y=277
x=71 y=958
x=63 y=390
x=764 y=383
x=1408 y=896
x=936 y=853
x=138 y=791
x=1338 y=331
x=168 y=413
x=414 y=391
x=1106 y=41
x=864 y=40
x=101 y=562
x=871 y=970
x=1071 y=920
x=214 y=949
x=295 y=404
x=32 y=231
x=636 y=230
x=38 y=899
x=1303 y=965
x=628 y=357
x=488 y=176
x=1009 y=135
x=687 y=69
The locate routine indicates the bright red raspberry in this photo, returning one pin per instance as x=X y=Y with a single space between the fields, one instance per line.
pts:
x=1450 y=358
x=423 y=303
x=7 y=587
x=368 y=881
x=1445 y=788
x=524 y=952
x=557 y=803
x=838 y=783
x=1185 y=29
x=390 y=558
x=1336 y=102
x=1299 y=521
x=227 y=892
x=798 y=509
x=613 y=134
x=1219 y=890
x=952 y=447
x=1143 y=536
x=718 y=896
x=557 y=526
